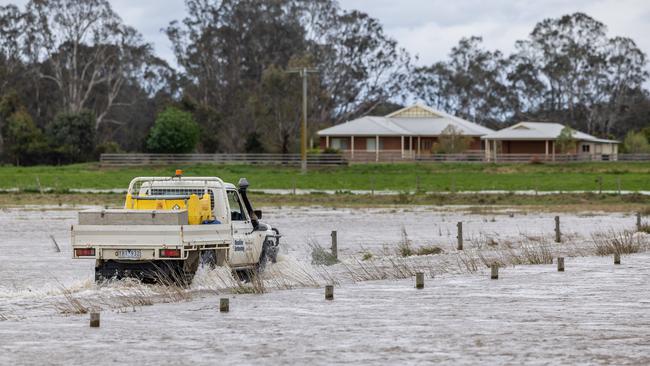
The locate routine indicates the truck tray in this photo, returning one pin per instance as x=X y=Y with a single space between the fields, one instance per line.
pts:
x=133 y=217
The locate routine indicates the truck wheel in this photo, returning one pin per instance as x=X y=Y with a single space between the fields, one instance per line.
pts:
x=209 y=258
x=187 y=269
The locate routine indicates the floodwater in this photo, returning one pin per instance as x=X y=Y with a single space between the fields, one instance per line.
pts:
x=594 y=313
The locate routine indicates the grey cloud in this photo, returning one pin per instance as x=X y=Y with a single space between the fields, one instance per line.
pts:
x=429 y=28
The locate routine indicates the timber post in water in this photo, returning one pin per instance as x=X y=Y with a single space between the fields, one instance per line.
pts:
x=560 y=264
x=558 y=233
x=335 y=245
x=329 y=292
x=419 y=280
x=94 y=320
x=617 y=258
x=495 y=271
x=460 y=235
x=224 y=305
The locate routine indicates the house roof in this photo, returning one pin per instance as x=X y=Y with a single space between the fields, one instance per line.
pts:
x=539 y=131
x=416 y=120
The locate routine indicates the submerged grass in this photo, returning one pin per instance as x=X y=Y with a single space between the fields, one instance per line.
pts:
x=320 y=255
x=612 y=242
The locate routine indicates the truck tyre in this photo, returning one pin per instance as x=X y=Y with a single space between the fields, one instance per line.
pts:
x=214 y=258
x=247 y=275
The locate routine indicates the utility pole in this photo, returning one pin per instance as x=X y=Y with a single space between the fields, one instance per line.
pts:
x=304 y=73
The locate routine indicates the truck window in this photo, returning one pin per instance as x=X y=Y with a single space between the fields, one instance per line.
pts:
x=156 y=191
x=237 y=212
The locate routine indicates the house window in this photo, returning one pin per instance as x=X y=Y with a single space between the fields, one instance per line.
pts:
x=371 y=144
x=585 y=148
x=339 y=143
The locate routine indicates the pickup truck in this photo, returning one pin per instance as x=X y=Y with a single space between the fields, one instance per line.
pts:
x=169 y=225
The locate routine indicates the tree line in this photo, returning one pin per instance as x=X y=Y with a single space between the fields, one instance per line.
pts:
x=76 y=81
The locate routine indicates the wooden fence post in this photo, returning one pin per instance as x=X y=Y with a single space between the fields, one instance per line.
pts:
x=600 y=185
x=224 y=305
x=335 y=245
x=638 y=221
x=94 y=320
x=460 y=235
x=419 y=280
x=329 y=292
x=560 y=264
x=558 y=233
x=495 y=271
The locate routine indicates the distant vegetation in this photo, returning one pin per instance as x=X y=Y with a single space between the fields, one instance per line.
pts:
x=76 y=81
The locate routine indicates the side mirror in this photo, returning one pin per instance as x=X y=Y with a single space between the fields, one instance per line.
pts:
x=258 y=213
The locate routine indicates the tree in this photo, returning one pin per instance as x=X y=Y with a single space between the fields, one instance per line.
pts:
x=472 y=84
x=175 y=132
x=253 y=144
x=451 y=141
x=72 y=136
x=359 y=65
x=83 y=47
x=569 y=69
x=224 y=47
x=24 y=142
x=565 y=142
x=276 y=111
x=636 y=143
x=11 y=37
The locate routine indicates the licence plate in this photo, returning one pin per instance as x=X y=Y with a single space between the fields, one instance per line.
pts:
x=128 y=253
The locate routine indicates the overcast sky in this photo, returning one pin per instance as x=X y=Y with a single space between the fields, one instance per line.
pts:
x=429 y=28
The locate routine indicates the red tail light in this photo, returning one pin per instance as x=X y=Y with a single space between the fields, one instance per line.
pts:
x=85 y=252
x=170 y=253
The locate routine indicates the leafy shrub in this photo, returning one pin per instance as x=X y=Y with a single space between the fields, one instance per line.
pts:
x=331 y=150
x=72 y=136
x=636 y=143
x=566 y=143
x=24 y=142
x=174 y=132
x=110 y=147
x=451 y=141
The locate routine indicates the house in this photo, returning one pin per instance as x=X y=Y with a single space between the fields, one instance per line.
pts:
x=407 y=133
x=540 y=138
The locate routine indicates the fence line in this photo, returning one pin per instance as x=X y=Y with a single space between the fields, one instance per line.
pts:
x=346 y=157
x=167 y=159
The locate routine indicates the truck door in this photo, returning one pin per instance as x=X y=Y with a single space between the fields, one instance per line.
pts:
x=243 y=251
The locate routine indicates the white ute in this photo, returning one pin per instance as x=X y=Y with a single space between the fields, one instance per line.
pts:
x=171 y=224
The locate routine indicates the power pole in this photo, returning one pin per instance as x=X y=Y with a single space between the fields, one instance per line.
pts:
x=304 y=73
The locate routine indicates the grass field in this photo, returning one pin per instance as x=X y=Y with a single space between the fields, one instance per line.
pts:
x=399 y=177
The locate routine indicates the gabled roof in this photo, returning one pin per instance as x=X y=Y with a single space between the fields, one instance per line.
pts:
x=416 y=120
x=539 y=131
